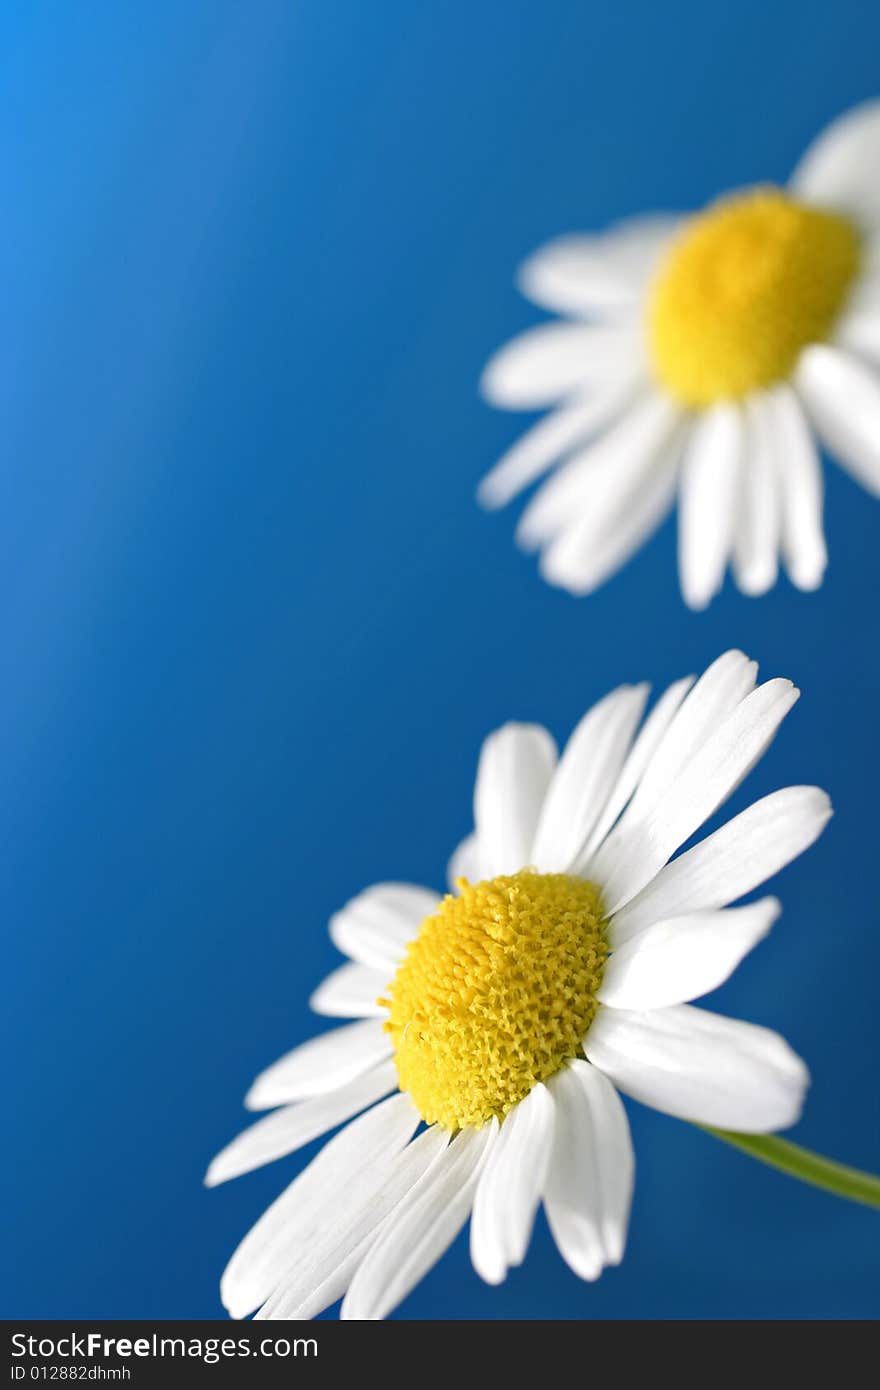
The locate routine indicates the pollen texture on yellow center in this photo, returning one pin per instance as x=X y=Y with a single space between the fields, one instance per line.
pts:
x=495 y=993
x=743 y=289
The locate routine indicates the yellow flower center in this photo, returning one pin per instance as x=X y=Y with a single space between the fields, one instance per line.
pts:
x=742 y=290
x=495 y=993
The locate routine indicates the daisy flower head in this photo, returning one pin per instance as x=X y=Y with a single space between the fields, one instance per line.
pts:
x=495 y=1027
x=701 y=357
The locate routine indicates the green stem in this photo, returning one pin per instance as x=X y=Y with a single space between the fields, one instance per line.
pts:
x=800 y=1163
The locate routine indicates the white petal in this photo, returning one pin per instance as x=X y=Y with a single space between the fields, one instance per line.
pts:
x=375 y=927
x=842 y=396
x=858 y=326
x=515 y=769
x=596 y=274
x=710 y=495
x=681 y=958
x=600 y=541
x=839 y=169
x=636 y=242
x=733 y=861
x=756 y=543
x=357 y=1159
x=634 y=853
x=637 y=760
x=701 y=1067
x=859 y=333
x=288 y=1129
x=510 y=1187
x=716 y=694
x=544 y=364
x=585 y=777
x=613 y=1157
x=324 y=1267
x=465 y=863
x=590 y=1178
x=601 y=478
x=796 y=462
x=321 y=1064
x=351 y=991
x=424 y=1225
x=571 y=276
x=551 y=438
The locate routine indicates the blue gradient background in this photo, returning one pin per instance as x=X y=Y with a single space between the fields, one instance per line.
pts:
x=254 y=627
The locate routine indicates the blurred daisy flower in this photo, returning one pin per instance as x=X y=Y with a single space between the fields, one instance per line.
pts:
x=702 y=356
x=496 y=1025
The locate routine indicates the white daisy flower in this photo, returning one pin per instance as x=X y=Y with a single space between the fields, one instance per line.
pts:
x=506 y=1016
x=702 y=356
